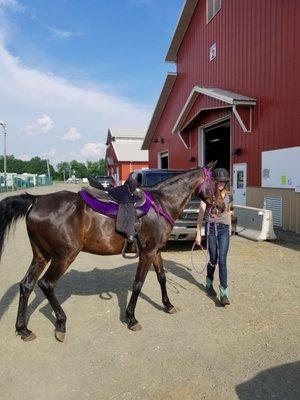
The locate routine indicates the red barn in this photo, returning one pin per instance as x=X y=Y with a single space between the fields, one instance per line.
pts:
x=235 y=97
x=124 y=154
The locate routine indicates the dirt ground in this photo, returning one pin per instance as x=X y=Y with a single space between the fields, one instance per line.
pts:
x=248 y=351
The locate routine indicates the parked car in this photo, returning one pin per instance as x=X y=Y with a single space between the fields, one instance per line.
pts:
x=73 y=180
x=106 y=181
x=185 y=226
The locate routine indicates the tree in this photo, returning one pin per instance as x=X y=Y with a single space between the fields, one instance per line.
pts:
x=79 y=169
x=95 y=167
x=102 y=166
x=37 y=166
x=34 y=166
x=63 y=170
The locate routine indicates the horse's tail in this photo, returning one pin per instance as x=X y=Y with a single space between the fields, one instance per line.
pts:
x=11 y=209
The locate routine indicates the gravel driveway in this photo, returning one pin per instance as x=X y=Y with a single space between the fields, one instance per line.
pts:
x=249 y=350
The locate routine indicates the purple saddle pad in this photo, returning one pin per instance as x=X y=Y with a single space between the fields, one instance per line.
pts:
x=110 y=209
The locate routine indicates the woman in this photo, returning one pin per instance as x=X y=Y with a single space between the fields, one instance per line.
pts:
x=218 y=229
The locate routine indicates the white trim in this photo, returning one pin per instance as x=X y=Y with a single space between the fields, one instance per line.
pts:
x=201 y=110
x=216 y=121
x=201 y=147
x=175 y=30
x=159 y=157
x=115 y=150
x=181 y=138
x=186 y=108
x=183 y=22
x=233 y=99
x=238 y=117
x=226 y=98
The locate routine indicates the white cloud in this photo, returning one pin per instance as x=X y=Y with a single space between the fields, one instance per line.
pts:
x=72 y=135
x=51 y=153
x=24 y=157
x=93 y=150
x=89 y=151
x=28 y=93
x=43 y=124
x=13 y=5
x=62 y=33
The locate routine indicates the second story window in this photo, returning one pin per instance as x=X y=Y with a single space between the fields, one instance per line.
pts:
x=212 y=7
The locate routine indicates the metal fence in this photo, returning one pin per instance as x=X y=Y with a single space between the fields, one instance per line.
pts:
x=23 y=181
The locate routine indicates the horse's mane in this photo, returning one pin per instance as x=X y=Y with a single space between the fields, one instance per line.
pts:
x=160 y=188
x=173 y=179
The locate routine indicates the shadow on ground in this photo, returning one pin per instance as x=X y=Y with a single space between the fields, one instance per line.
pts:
x=279 y=383
x=106 y=283
x=288 y=239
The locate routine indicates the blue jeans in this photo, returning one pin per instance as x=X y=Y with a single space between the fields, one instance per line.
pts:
x=218 y=249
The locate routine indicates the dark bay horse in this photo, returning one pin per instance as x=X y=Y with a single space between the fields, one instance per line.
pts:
x=60 y=225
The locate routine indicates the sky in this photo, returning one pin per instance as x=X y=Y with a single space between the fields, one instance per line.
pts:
x=71 y=69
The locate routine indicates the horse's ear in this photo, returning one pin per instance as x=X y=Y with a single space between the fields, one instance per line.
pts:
x=212 y=165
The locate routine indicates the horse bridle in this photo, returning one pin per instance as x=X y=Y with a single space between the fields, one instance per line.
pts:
x=208 y=177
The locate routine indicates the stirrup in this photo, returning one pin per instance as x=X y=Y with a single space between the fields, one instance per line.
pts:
x=135 y=241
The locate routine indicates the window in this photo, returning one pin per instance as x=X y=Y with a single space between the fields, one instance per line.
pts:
x=240 y=179
x=152 y=179
x=163 y=160
x=212 y=6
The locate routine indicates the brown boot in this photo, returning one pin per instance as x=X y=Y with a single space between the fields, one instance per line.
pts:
x=224 y=301
x=224 y=296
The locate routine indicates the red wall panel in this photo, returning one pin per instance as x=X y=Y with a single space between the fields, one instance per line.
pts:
x=258 y=55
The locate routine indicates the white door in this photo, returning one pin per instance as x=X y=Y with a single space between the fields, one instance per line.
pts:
x=239 y=184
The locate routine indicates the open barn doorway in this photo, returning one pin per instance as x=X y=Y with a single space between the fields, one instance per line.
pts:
x=216 y=145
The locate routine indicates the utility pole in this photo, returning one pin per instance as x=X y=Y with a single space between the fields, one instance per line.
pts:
x=4 y=154
x=48 y=170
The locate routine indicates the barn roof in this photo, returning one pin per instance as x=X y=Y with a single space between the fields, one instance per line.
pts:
x=181 y=28
x=130 y=150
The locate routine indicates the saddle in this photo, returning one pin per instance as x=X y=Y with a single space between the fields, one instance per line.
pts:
x=128 y=198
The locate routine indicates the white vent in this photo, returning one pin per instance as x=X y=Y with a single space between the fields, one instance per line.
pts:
x=274 y=203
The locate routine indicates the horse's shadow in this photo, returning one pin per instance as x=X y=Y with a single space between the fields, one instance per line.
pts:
x=106 y=283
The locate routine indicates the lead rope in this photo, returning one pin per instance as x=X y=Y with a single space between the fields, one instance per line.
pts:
x=206 y=258
x=206 y=252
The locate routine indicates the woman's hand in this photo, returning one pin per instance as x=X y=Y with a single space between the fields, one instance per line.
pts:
x=198 y=238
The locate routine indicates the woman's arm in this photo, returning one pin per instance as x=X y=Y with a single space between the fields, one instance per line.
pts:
x=202 y=208
x=230 y=208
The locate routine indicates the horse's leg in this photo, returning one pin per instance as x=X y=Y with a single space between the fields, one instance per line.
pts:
x=159 y=269
x=145 y=261
x=57 y=268
x=26 y=287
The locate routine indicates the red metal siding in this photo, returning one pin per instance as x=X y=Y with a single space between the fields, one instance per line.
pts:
x=127 y=167
x=258 y=55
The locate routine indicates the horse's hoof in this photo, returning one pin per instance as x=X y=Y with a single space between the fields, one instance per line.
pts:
x=28 y=337
x=171 y=310
x=136 y=327
x=60 y=336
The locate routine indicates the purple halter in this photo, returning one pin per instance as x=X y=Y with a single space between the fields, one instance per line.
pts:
x=207 y=177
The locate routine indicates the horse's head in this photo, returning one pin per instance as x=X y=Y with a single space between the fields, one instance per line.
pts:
x=207 y=190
